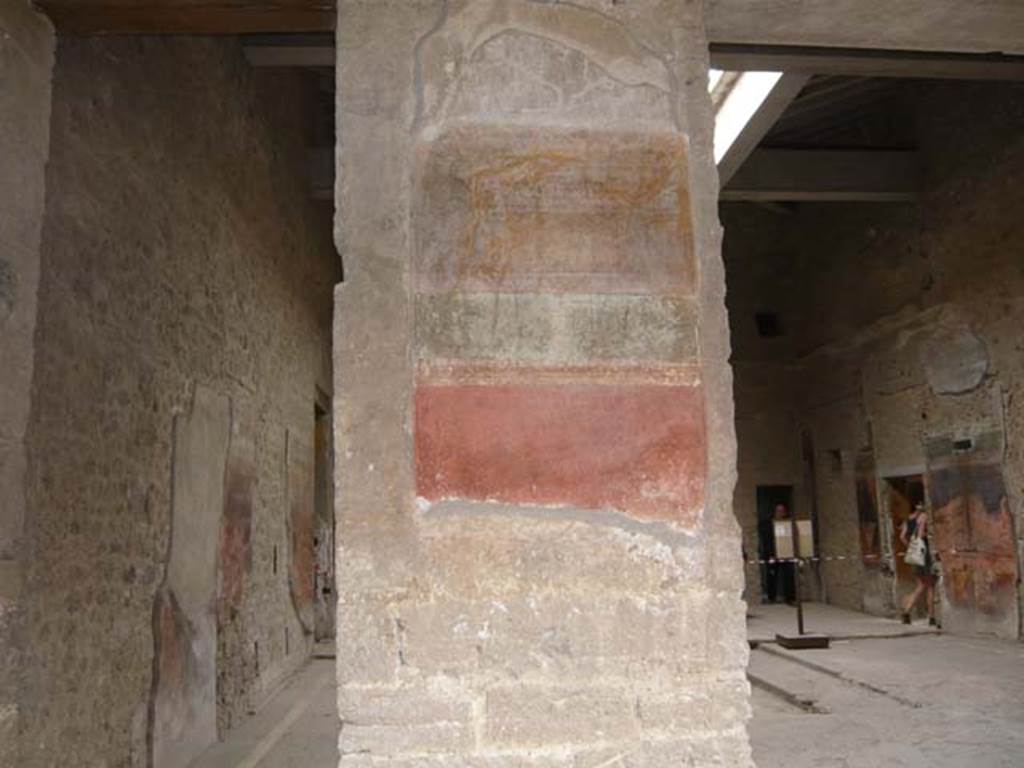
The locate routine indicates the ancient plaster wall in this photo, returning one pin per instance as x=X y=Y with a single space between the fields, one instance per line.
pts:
x=184 y=321
x=26 y=64
x=907 y=320
x=538 y=562
x=183 y=703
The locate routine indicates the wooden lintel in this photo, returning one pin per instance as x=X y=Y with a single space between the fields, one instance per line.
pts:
x=154 y=17
x=811 y=175
x=290 y=55
x=921 y=25
x=866 y=63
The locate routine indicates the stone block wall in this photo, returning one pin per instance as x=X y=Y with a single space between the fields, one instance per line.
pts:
x=538 y=562
x=26 y=64
x=183 y=332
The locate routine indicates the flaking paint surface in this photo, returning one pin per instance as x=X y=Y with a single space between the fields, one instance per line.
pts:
x=637 y=448
x=974 y=538
x=541 y=209
x=236 y=531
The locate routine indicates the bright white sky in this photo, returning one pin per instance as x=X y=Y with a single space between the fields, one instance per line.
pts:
x=743 y=101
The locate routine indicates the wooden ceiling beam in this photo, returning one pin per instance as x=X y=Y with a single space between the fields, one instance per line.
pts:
x=152 y=17
x=816 y=175
x=993 y=26
x=866 y=63
x=316 y=50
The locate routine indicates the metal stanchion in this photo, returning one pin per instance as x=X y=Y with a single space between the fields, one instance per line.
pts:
x=802 y=639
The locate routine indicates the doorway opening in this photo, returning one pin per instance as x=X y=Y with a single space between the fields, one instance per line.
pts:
x=776 y=578
x=323 y=531
x=903 y=494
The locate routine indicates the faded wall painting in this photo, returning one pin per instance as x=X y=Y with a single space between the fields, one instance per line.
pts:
x=236 y=529
x=973 y=535
x=301 y=530
x=556 y=337
x=867 y=509
x=540 y=209
x=183 y=705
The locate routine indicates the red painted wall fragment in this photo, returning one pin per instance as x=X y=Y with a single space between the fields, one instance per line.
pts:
x=974 y=538
x=236 y=532
x=637 y=448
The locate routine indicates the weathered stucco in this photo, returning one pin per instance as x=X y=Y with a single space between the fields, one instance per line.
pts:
x=26 y=64
x=537 y=563
x=902 y=326
x=183 y=333
x=184 y=689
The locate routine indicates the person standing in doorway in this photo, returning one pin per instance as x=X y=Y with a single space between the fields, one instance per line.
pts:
x=916 y=528
x=782 y=576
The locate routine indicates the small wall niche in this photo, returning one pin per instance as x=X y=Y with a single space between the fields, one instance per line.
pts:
x=769 y=325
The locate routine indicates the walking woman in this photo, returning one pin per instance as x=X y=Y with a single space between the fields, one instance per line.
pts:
x=914 y=535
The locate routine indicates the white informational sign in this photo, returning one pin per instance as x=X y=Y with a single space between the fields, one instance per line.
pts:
x=783 y=538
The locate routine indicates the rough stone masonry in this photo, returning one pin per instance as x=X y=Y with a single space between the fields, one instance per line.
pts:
x=181 y=334
x=538 y=562
x=26 y=58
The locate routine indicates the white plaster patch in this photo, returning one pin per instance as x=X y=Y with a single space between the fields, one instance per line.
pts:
x=954 y=361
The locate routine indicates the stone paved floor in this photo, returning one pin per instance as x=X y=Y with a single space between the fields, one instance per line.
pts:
x=931 y=701
x=924 y=701
x=297 y=728
x=764 y=621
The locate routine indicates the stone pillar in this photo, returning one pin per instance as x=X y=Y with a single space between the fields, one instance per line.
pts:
x=26 y=65
x=537 y=562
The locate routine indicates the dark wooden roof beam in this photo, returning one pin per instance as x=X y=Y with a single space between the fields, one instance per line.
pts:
x=866 y=63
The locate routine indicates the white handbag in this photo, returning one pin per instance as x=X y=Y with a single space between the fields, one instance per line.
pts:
x=917 y=552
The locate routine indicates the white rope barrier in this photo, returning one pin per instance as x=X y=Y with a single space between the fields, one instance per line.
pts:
x=826 y=558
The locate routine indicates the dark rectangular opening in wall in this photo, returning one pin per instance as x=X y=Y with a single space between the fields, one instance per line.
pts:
x=903 y=494
x=769 y=325
x=836 y=461
x=323 y=532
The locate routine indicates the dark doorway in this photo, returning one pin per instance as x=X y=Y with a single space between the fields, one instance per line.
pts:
x=323 y=542
x=776 y=579
x=904 y=492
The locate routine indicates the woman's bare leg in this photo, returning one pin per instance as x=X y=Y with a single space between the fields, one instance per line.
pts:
x=911 y=601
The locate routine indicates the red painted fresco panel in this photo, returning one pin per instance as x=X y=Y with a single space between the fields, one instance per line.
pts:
x=974 y=537
x=638 y=448
x=867 y=509
x=236 y=532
